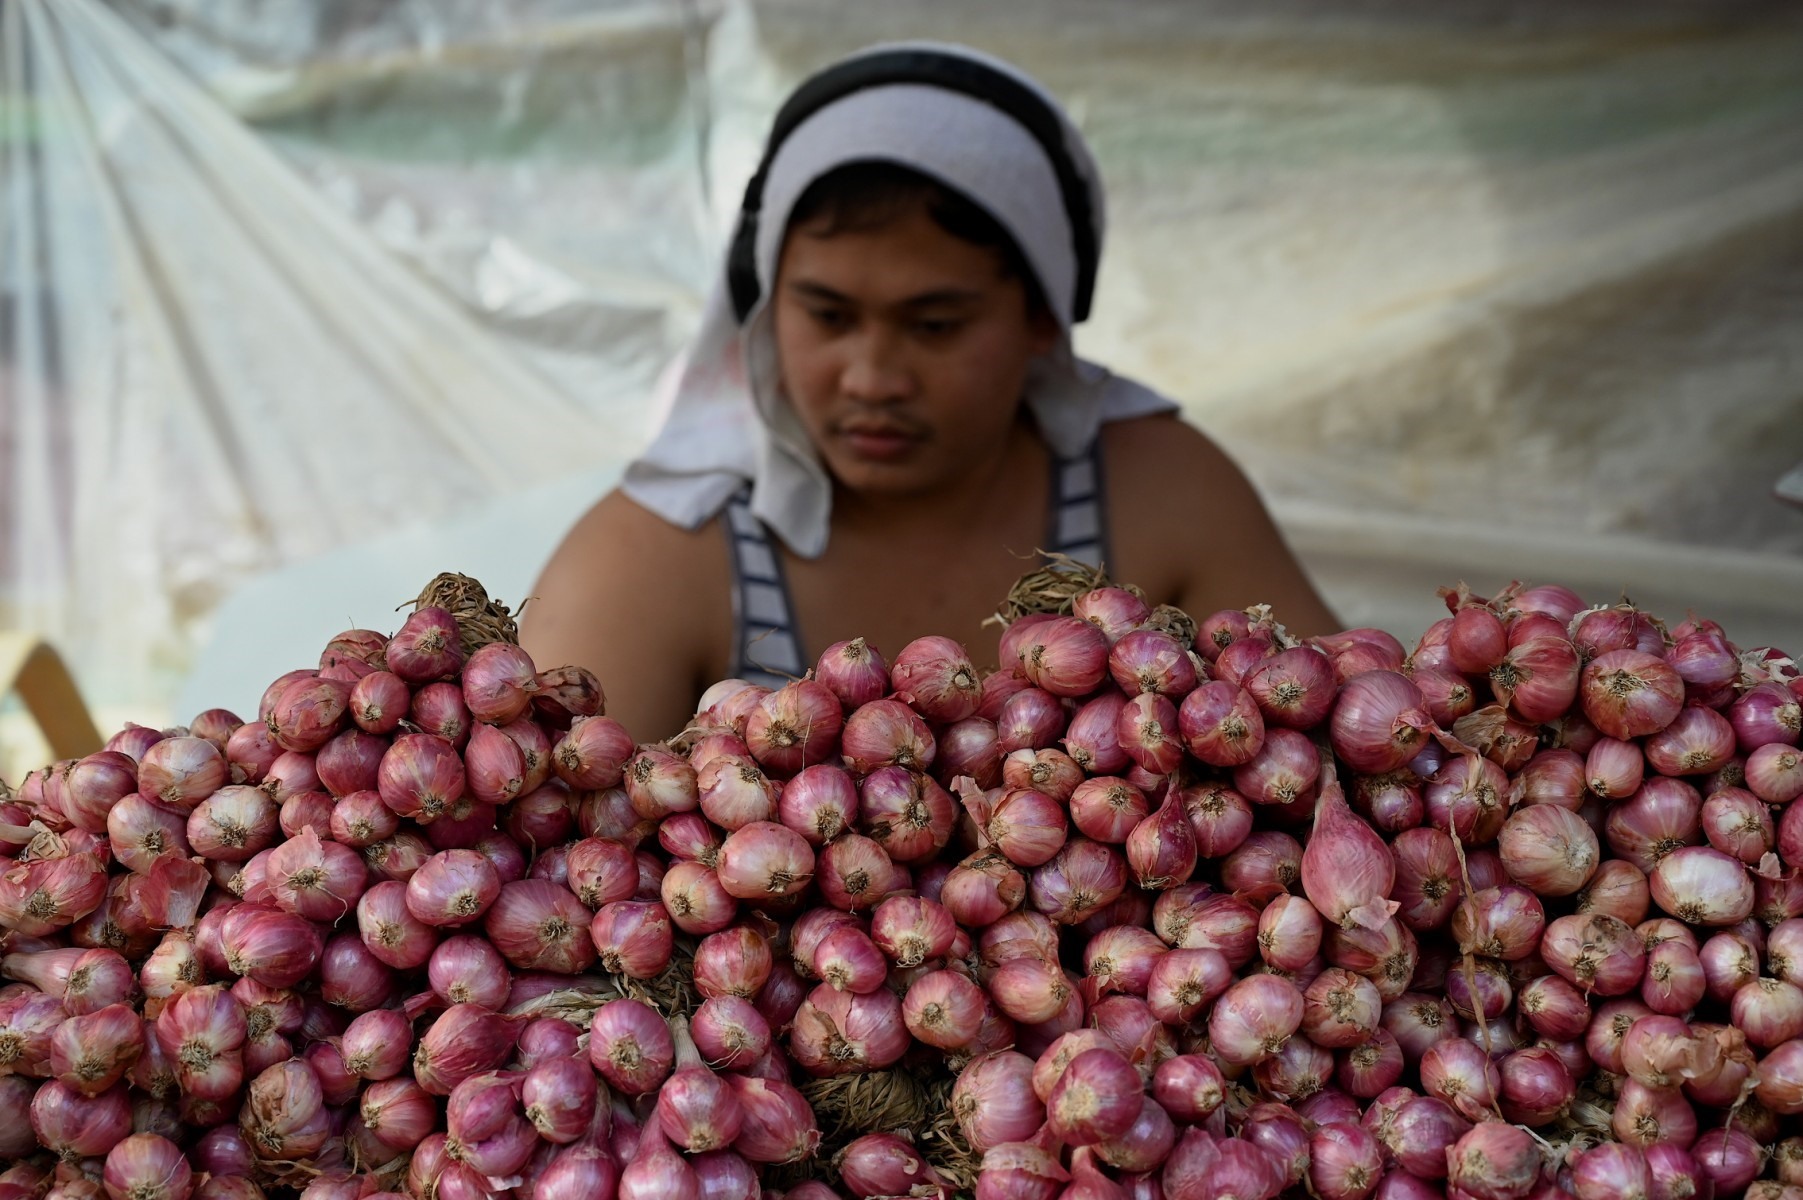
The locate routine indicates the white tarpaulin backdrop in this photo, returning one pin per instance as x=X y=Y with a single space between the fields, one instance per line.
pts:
x=1473 y=289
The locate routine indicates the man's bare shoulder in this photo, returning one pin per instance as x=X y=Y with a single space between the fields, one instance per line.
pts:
x=643 y=603
x=1165 y=454
x=1186 y=522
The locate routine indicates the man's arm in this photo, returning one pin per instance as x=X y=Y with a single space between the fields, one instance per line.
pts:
x=640 y=603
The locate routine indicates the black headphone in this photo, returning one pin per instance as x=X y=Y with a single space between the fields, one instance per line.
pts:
x=954 y=73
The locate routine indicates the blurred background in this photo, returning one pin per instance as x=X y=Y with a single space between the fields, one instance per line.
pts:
x=302 y=302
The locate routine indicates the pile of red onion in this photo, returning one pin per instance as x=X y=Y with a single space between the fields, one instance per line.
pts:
x=1515 y=915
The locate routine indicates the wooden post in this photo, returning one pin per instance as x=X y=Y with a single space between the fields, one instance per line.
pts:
x=36 y=672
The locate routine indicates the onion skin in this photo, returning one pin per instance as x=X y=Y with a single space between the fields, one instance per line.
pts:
x=1347 y=871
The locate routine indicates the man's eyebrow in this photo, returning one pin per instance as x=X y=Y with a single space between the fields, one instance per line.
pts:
x=811 y=290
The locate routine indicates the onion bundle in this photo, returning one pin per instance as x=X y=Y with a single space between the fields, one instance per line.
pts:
x=1137 y=917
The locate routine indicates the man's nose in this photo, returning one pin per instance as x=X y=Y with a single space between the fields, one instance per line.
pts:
x=876 y=369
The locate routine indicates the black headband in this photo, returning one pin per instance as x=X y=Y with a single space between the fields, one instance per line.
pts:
x=954 y=73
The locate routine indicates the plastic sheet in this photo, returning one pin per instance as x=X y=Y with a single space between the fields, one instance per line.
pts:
x=1467 y=294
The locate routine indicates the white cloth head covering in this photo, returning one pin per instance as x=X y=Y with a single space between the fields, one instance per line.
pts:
x=726 y=421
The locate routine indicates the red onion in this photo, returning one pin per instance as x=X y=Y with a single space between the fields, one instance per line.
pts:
x=1780 y=1085
x=944 y=1009
x=1299 y=1070
x=1289 y=933
x=1768 y=1011
x=1379 y=722
x=94 y=784
x=378 y=701
x=1476 y=639
x=1549 y=850
x=1644 y=1115
x=1370 y=1068
x=819 y=803
x=540 y=926
x=1049 y=772
x=1738 y=823
x=273 y=947
x=181 y=771
x=1448 y=696
x=1150 y=660
x=306 y=713
x=778 y=1124
x=796 y=725
x=969 y=747
x=1147 y=730
x=1766 y=713
x=1775 y=773
x=886 y=733
x=315 y=879
x=1596 y=952
x=994 y=1103
x=352 y=978
x=854 y=671
x=468 y=970
x=659 y=783
x=134 y=740
x=838 y=1033
x=657 y=1172
x=1219 y=817
x=1347 y=870
x=1494 y=1161
x=854 y=872
x=1032 y=720
x=1629 y=693
x=1162 y=847
x=1083 y=877
x=1534 y=1087
x=1423 y=1130
x=1253 y=1018
x=1282 y=772
x=631 y=1046
x=1090 y=738
x=92 y=1052
x=1729 y=1159
x=1107 y=809
x=735 y=962
x=1026 y=826
x=982 y=889
x=392 y=933
x=1697 y=742
x=730 y=1032
x=1538 y=678
x=1066 y=656
x=1293 y=688
x=882 y=1164
x=1611 y=1171
x=1702 y=886
x=1427 y=886
x=1340 y=1010
x=935 y=675
x=1618 y=889
x=77 y=1126
x=1097 y=1098
x=1189 y=1087
x=140 y=830
x=1216 y=632
x=427 y=647
x=453 y=887
x=1115 y=611
x=1345 y=1162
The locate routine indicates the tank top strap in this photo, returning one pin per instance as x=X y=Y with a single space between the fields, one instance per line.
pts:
x=1079 y=507
x=766 y=644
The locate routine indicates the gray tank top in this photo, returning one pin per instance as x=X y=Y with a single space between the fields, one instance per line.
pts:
x=767 y=646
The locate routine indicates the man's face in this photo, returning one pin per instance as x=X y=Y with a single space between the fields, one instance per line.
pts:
x=903 y=349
